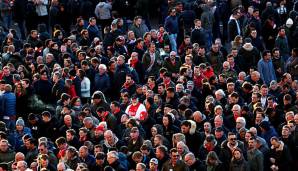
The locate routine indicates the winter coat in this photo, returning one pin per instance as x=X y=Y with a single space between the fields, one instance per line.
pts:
x=266 y=70
x=171 y=24
x=239 y=165
x=85 y=87
x=139 y=30
x=103 y=10
x=248 y=56
x=255 y=159
x=102 y=82
x=8 y=104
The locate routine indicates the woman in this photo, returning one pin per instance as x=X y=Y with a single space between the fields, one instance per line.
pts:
x=237 y=43
x=21 y=99
x=76 y=105
x=169 y=127
x=72 y=157
x=85 y=86
x=19 y=132
x=238 y=163
x=182 y=149
x=213 y=163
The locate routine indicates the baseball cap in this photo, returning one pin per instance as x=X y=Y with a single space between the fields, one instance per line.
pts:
x=154 y=160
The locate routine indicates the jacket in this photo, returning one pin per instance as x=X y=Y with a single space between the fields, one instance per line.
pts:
x=171 y=24
x=9 y=104
x=139 y=30
x=103 y=11
x=266 y=70
x=255 y=160
x=85 y=87
x=147 y=62
x=102 y=82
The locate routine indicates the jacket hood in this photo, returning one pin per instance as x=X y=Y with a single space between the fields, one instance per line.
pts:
x=248 y=46
x=101 y=4
x=193 y=127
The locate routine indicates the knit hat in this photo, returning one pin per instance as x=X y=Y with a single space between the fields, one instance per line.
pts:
x=20 y=122
x=100 y=128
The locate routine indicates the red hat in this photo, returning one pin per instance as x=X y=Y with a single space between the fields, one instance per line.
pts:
x=100 y=128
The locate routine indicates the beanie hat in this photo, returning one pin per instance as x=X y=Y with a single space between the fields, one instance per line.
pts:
x=20 y=122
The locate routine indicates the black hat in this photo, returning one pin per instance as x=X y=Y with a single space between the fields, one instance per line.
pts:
x=32 y=116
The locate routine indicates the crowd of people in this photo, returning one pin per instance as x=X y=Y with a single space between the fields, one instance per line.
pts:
x=93 y=85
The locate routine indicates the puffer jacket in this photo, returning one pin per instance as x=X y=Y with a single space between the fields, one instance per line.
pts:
x=9 y=104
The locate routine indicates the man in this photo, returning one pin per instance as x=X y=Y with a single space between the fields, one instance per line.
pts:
x=9 y=107
x=172 y=27
x=151 y=60
x=138 y=27
x=136 y=110
x=116 y=111
x=85 y=157
x=135 y=141
x=93 y=30
x=43 y=149
x=22 y=166
x=227 y=148
x=266 y=68
x=193 y=163
x=153 y=164
x=6 y=155
x=111 y=141
x=113 y=161
x=58 y=87
x=162 y=155
x=254 y=156
x=198 y=34
x=172 y=64
x=193 y=139
x=234 y=27
x=106 y=116
x=175 y=163
x=102 y=79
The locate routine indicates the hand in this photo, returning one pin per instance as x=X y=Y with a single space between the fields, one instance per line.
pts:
x=272 y=160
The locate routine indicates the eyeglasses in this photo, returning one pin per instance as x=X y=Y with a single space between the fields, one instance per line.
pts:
x=233 y=139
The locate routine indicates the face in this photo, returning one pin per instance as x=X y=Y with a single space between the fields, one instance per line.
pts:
x=111 y=159
x=237 y=155
x=232 y=139
x=185 y=129
x=153 y=131
x=120 y=61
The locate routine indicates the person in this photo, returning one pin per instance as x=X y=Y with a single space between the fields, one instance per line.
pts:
x=255 y=157
x=136 y=110
x=9 y=107
x=171 y=26
x=213 y=162
x=193 y=163
x=234 y=27
x=174 y=163
x=113 y=161
x=266 y=68
x=280 y=156
x=238 y=162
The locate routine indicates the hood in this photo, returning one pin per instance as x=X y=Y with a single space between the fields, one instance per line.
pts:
x=101 y=4
x=280 y=148
x=248 y=46
x=193 y=127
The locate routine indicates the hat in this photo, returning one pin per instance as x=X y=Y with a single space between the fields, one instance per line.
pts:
x=100 y=128
x=289 y=22
x=154 y=160
x=20 y=122
x=96 y=96
x=134 y=129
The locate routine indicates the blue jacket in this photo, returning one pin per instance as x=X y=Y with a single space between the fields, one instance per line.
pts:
x=9 y=104
x=266 y=70
x=171 y=24
x=101 y=82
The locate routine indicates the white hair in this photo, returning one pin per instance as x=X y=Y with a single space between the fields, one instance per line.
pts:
x=102 y=66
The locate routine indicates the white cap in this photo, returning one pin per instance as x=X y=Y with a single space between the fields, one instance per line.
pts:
x=289 y=22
